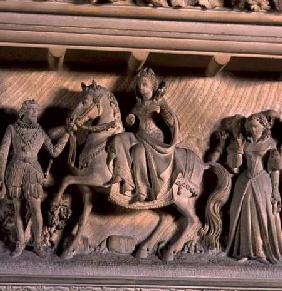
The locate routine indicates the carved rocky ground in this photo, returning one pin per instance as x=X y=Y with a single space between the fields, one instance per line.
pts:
x=119 y=272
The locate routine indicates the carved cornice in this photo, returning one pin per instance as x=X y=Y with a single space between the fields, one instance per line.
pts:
x=247 y=5
x=90 y=288
x=127 y=34
x=132 y=11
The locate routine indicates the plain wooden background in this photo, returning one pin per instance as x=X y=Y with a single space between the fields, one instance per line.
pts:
x=200 y=102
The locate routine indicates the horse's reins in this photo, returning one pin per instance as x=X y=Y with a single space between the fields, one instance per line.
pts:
x=94 y=129
x=72 y=150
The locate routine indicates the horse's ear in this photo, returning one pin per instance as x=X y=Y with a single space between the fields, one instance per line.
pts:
x=83 y=86
x=94 y=84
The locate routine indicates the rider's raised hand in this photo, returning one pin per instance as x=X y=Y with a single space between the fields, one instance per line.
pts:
x=130 y=119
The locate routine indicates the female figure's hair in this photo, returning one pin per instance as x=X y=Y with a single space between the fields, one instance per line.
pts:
x=26 y=105
x=262 y=119
x=150 y=75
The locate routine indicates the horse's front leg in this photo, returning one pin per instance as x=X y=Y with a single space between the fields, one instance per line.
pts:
x=71 y=249
x=189 y=223
x=75 y=180
x=67 y=181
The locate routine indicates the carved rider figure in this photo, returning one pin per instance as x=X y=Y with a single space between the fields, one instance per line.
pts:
x=23 y=176
x=153 y=155
x=145 y=161
x=151 y=171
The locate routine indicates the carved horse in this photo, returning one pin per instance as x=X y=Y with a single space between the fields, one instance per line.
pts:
x=98 y=106
x=94 y=171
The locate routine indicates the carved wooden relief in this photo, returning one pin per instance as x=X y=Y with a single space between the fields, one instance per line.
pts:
x=143 y=175
x=140 y=167
x=124 y=217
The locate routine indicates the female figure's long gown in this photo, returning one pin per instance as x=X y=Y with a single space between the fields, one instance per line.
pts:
x=149 y=164
x=255 y=231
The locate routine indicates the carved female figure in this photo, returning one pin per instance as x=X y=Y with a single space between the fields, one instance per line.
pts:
x=23 y=176
x=153 y=146
x=153 y=156
x=255 y=228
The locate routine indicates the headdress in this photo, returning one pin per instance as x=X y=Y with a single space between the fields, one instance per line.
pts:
x=149 y=73
x=262 y=119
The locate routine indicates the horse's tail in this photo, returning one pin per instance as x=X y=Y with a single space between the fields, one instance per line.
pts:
x=213 y=222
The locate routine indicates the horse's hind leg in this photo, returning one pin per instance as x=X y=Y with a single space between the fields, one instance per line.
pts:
x=190 y=224
x=146 y=247
x=87 y=208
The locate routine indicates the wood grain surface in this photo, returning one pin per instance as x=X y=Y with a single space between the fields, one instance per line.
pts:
x=200 y=102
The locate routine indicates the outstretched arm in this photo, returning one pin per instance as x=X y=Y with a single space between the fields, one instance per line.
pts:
x=56 y=149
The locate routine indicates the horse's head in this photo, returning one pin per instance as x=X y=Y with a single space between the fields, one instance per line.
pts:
x=92 y=93
x=90 y=97
x=97 y=101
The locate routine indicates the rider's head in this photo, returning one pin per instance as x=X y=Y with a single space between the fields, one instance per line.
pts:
x=147 y=84
x=29 y=111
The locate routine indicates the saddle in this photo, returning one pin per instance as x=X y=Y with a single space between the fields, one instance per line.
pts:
x=130 y=202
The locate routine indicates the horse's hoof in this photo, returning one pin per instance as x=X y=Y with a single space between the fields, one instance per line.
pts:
x=68 y=254
x=199 y=249
x=193 y=247
x=168 y=255
x=142 y=253
x=190 y=247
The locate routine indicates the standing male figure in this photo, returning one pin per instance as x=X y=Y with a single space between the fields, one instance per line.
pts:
x=24 y=176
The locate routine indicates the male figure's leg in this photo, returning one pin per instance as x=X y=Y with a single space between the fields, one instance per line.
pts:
x=20 y=244
x=37 y=224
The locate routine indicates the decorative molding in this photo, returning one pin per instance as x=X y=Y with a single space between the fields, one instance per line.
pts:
x=129 y=34
x=241 y=5
x=125 y=283
x=220 y=15
x=113 y=287
x=88 y=288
